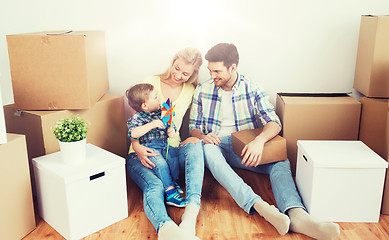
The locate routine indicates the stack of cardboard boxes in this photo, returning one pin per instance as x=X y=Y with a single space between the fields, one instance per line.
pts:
x=54 y=75
x=340 y=116
x=372 y=80
x=58 y=74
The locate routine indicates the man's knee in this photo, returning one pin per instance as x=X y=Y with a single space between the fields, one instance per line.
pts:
x=190 y=140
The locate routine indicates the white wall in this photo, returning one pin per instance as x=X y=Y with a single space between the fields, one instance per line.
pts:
x=290 y=46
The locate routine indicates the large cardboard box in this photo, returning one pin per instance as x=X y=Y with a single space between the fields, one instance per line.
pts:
x=316 y=117
x=3 y=132
x=17 y=217
x=374 y=132
x=340 y=181
x=78 y=200
x=107 y=128
x=372 y=66
x=58 y=70
x=274 y=150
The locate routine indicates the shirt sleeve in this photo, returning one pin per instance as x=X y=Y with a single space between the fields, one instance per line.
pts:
x=132 y=123
x=266 y=111
x=196 y=113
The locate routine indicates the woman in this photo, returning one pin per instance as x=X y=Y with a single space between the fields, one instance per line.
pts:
x=177 y=83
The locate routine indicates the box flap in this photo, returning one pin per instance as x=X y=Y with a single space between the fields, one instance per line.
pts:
x=340 y=154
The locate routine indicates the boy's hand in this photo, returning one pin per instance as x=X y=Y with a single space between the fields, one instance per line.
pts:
x=171 y=132
x=157 y=123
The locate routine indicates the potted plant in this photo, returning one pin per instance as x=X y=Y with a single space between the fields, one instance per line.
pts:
x=71 y=134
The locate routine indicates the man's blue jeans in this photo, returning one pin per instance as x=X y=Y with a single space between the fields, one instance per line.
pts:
x=191 y=161
x=220 y=160
x=166 y=168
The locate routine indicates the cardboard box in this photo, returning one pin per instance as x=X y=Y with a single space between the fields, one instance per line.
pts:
x=88 y=196
x=3 y=132
x=107 y=129
x=273 y=151
x=17 y=217
x=374 y=132
x=58 y=70
x=372 y=66
x=316 y=117
x=340 y=181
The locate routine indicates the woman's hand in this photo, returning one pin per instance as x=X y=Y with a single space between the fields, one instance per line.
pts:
x=143 y=154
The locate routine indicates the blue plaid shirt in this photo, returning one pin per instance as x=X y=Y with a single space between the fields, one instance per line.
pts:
x=251 y=106
x=142 y=118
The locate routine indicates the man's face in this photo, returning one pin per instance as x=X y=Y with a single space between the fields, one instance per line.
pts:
x=219 y=73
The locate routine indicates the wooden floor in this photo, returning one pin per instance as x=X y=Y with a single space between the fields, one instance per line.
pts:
x=219 y=218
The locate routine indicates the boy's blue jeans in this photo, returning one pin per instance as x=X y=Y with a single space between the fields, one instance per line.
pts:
x=166 y=169
x=191 y=162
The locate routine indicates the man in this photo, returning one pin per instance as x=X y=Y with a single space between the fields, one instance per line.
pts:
x=226 y=103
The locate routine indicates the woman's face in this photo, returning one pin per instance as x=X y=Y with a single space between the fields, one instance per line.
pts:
x=181 y=71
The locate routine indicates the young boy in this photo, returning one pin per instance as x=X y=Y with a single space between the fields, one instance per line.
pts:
x=147 y=127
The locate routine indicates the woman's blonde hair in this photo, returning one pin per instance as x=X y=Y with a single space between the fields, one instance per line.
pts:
x=190 y=56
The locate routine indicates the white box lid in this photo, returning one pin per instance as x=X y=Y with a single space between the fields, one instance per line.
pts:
x=97 y=160
x=341 y=154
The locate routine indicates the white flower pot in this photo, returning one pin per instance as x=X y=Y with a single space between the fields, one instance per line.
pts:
x=73 y=152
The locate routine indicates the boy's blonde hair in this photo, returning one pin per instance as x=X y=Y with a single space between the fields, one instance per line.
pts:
x=138 y=94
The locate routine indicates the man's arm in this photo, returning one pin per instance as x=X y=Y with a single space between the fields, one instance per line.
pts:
x=252 y=152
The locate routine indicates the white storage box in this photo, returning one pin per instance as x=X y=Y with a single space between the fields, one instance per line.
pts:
x=80 y=199
x=340 y=181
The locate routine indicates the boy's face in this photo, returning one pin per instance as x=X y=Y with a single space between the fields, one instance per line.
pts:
x=220 y=73
x=152 y=103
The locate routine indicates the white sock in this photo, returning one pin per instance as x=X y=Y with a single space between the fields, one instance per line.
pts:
x=279 y=220
x=302 y=222
x=170 y=231
x=189 y=218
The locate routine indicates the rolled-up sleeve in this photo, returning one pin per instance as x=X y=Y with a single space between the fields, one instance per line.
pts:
x=266 y=110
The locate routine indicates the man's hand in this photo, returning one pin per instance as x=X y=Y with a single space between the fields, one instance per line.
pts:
x=143 y=154
x=211 y=138
x=252 y=153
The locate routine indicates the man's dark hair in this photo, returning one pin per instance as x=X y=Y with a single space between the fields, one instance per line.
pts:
x=223 y=52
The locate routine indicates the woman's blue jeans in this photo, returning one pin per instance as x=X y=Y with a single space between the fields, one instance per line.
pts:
x=220 y=160
x=191 y=162
x=166 y=162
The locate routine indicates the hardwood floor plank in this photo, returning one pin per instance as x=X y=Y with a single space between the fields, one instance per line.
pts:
x=220 y=218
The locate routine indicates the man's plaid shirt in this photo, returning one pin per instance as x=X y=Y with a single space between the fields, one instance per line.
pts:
x=251 y=106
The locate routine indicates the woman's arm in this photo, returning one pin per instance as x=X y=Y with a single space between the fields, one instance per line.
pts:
x=143 y=153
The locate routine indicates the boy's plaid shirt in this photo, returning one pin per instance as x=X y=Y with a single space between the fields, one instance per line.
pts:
x=251 y=106
x=140 y=119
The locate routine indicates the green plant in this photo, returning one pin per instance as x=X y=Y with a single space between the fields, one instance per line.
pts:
x=71 y=129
